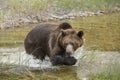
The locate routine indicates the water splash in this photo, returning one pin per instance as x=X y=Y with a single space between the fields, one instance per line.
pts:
x=17 y=57
x=78 y=54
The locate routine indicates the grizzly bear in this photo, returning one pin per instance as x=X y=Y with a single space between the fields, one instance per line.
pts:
x=58 y=42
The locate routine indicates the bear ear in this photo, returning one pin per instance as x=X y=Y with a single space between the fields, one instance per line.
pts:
x=63 y=32
x=65 y=25
x=80 y=34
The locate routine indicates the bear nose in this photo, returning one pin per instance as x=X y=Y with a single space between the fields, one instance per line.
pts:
x=69 y=49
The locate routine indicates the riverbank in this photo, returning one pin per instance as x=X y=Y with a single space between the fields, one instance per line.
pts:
x=15 y=13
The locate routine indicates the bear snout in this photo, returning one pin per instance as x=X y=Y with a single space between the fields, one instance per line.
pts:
x=69 y=49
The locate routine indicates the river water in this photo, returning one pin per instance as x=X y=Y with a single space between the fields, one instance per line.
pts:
x=89 y=63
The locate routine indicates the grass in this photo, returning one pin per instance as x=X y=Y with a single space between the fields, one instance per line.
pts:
x=33 y=6
x=14 y=77
x=89 y=5
x=18 y=8
x=37 y=5
x=109 y=74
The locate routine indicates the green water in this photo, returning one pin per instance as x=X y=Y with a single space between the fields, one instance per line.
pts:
x=101 y=32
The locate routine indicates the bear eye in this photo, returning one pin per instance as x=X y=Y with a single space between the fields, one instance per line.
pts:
x=66 y=44
x=76 y=46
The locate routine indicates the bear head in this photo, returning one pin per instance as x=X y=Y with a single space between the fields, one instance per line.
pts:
x=70 y=40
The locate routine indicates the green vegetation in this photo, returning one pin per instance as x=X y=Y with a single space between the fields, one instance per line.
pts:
x=18 y=8
x=27 y=6
x=89 y=5
x=15 y=77
x=114 y=74
x=37 y=5
x=7 y=77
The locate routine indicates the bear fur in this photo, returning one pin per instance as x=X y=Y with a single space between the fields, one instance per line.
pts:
x=58 y=42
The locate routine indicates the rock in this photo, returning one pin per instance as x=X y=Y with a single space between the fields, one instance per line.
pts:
x=117 y=9
x=24 y=20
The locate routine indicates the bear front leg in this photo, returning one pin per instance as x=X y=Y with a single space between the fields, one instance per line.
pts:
x=63 y=60
x=57 y=60
x=58 y=57
x=69 y=60
x=55 y=56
